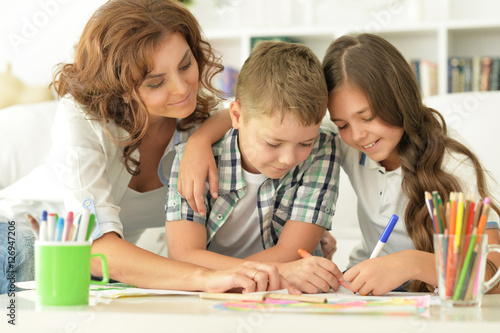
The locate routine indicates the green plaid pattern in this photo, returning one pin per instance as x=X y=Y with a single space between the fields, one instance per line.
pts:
x=307 y=193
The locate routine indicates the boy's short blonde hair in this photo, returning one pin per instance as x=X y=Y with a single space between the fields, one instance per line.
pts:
x=283 y=78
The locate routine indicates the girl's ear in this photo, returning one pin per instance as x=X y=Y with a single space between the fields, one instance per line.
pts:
x=235 y=113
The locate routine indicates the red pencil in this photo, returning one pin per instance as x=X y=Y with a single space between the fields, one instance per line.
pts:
x=469 y=219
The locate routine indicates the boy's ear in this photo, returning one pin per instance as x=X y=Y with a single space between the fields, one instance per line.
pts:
x=235 y=113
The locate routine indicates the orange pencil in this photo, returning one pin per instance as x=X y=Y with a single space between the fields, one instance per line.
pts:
x=304 y=254
x=484 y=216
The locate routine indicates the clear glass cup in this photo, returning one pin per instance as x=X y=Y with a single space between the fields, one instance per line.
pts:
x=460 y=265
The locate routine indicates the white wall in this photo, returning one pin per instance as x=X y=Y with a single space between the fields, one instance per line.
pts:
x=37 y=34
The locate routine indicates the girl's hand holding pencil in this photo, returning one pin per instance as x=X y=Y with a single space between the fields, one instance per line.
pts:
x=381 y=275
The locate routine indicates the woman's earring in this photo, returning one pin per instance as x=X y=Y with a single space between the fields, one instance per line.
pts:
x=125 y=99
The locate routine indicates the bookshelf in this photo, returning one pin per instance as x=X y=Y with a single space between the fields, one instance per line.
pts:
x=436 y=41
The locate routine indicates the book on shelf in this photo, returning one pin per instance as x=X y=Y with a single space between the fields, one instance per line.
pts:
x=467 y=74
x=478 y=73
x=453 y=75
x=426 y=72
x=495 y=74
x=484 y=79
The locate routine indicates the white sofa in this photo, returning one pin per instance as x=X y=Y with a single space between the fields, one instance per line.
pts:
x=25 y=135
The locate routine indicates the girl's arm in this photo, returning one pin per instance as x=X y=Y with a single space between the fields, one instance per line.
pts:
x=383 y=274
x=186 y=241
x=132 y=265
x=198 y=162
x=494 y=257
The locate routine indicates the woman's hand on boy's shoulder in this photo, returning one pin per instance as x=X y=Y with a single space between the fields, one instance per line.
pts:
x=197 y=165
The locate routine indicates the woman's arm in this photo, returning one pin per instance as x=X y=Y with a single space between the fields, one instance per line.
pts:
x=132 y=265
x=198 y=163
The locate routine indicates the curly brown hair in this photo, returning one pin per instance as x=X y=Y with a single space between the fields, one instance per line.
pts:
x=113 y=57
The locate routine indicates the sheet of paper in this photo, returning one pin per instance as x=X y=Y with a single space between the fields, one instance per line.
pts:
x=116 y=290
x=373 y=305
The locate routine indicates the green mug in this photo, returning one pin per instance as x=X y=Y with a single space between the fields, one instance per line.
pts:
x=62 y=272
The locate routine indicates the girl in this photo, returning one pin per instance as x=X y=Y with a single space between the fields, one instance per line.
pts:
x=394 y=149
x=139 y=84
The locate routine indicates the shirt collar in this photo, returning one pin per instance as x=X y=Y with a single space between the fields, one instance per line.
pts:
x=367 y=162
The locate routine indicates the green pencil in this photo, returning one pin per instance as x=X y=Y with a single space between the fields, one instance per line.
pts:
x=465 y=267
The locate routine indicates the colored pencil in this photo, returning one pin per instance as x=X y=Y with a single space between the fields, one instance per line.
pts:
x=484 y=216
x=430 y=208
x=470 y=219
x=465 y=268
x=440 y=216
x=90 y=227
x=462 y=220
x=472 y=278
x=67 y=226
x=477 y=212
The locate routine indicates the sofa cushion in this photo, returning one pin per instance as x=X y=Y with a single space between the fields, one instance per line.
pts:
x=25 y=137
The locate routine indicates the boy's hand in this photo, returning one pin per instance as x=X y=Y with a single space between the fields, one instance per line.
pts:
x=328 y=244
x=313 y=274
x=197 y=164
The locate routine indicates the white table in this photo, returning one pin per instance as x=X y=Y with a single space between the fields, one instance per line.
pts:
x=191 y=314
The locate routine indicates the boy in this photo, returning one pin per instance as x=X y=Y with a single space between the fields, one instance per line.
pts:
x=278 y=175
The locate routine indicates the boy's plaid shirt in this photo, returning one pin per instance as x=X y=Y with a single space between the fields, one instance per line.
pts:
x=307 y=193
